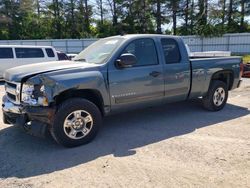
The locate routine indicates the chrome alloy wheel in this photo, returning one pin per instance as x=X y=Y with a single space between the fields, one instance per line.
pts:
x=78 y=124
x=219 y=96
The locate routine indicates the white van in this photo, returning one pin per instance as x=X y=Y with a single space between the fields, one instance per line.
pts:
x=17 y=55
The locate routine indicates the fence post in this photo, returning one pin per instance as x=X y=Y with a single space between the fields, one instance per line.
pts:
x=202 y=44
x=228 y=43
x=67 y=46
x=82 y=44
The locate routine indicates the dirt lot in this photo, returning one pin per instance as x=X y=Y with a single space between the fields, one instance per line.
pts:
x=179 y=145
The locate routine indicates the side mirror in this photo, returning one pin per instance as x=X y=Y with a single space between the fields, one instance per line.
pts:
x=126 y=60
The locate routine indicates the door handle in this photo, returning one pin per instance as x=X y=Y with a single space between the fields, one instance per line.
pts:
x=155 y=73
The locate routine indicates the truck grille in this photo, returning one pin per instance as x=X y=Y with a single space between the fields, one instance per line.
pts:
x=13 y=91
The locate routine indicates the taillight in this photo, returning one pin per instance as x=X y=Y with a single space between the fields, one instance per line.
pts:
x=241 y=69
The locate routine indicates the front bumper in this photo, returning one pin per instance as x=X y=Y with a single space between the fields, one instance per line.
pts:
x=11 y=108
x=12 y=113
x=26 y=116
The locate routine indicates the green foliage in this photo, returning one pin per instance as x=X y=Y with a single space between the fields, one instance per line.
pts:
x=246 y=58
x=40 y=19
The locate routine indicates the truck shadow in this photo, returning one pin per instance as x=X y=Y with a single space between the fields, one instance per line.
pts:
x=23 y=156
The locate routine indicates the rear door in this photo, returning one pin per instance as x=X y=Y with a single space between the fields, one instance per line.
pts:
x=177 y=72
x=141 y=84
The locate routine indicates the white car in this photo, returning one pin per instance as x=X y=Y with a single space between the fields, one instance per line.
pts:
x=17 y=55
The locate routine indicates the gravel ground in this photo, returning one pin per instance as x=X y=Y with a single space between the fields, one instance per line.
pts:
x=177 y=145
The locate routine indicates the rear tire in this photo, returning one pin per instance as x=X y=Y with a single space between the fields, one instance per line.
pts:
x=76 y=122
x=216 y=97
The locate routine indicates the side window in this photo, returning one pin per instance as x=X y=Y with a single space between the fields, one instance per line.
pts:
x=171 y=51
x=29 y=53
x=50 y=52
x=144 y=50
x=62 y=56
x=6 y=53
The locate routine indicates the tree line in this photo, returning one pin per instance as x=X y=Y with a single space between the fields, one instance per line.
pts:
x=44 y=19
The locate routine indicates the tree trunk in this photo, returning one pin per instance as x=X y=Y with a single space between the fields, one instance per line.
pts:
x=38 y=9
x=158 y=17
x=242 y=18
x=81 y=19
x=86 y=16
x=143 y=17
x=58 y=32
x=115 y=14
x=223 y=12
x=202 y=15
x=206 y=11
x=186 y=15
x=113 y=7
x=73 y=21
x=192 y=17
x=101 y=10
x=174 y=7
x=230 y=13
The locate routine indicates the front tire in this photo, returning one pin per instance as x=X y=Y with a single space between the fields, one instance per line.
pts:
x=216 y=97
x=76 y=122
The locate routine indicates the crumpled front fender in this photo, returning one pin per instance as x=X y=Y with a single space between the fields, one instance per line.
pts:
x=55 y=84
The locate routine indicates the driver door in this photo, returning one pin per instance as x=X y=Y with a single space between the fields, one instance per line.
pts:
x=141 y=84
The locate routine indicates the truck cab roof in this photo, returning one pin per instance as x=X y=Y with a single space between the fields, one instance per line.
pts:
x=132 y=36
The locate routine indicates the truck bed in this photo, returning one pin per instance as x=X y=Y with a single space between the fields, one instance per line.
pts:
x=204 y=68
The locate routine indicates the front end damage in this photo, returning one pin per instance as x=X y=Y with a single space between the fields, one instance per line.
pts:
x=32 y=101
x=26 y=109
x=35 y=120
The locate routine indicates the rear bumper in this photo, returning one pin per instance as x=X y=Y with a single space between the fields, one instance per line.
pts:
x=246 y=74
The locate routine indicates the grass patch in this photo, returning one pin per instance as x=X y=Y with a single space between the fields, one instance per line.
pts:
x=246 y=58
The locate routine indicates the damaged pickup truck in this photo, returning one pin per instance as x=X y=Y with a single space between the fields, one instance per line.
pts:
x=114 y=74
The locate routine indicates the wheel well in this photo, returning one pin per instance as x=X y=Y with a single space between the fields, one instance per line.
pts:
x=92 y=95
x=224 y=76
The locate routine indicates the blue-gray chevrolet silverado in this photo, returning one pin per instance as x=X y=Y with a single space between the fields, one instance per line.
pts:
x=114 y=74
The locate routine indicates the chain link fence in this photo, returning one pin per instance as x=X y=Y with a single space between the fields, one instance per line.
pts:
x=236 y=43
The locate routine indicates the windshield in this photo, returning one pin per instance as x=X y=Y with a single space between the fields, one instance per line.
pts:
x=99 y=51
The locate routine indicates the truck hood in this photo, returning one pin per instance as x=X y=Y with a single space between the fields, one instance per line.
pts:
x=18 y=73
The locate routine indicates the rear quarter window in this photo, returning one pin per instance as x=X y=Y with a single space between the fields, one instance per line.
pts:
x=6 y=53
x=29 y=53
x=50 y=52
x=171 y=51
x=62 y=56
